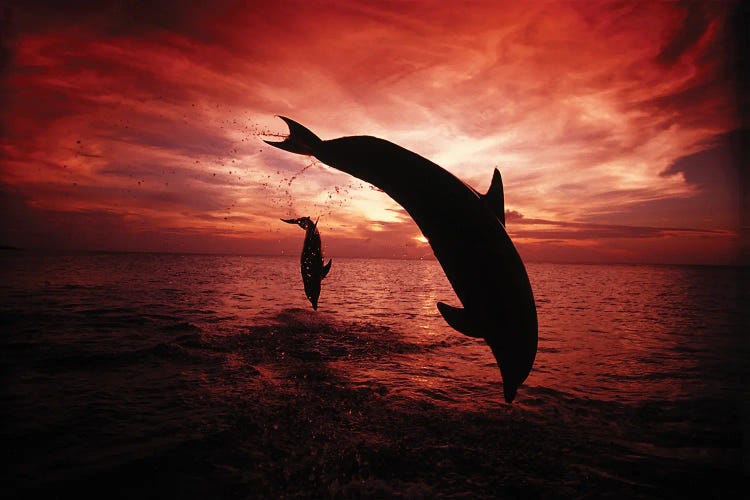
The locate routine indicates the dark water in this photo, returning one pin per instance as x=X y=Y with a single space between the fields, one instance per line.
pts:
x=144 y=376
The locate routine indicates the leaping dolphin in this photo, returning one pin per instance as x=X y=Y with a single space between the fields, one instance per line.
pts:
x=466 y=231
x=311 y=260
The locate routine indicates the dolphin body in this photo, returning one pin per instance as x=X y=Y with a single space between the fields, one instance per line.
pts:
x=466 y=231
x=311 y=260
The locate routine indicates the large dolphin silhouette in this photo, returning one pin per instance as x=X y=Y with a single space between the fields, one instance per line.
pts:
x=466 y=231
x=311 y=260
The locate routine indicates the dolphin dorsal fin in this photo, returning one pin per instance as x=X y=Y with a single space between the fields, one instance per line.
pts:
x=457 y=319
x=495 y=199
x=326 y=268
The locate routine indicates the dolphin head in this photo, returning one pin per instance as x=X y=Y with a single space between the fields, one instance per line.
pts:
x=513 y=369
x=511 y=382
x=303 y=222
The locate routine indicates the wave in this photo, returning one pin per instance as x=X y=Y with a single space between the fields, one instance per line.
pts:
x=182 y=326
x=186 y=348
x=308 y=336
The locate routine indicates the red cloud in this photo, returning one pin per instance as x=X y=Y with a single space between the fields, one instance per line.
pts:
x=144 y=121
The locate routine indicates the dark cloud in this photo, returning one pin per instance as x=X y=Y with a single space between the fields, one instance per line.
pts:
x=698 y=102
x=228 y=218
x=512 y=216
x=694 y=25
x=558 y=230
x=707 y=41
x=27 y=227
x=623 y=194
x=718 y=177
x=603 y=232
x=5 y=27
x=737 y=49
x=188 y=139
x=715 y=169
x=718 y=173
x=120 y=17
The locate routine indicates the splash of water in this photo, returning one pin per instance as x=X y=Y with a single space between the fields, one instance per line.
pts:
x=294 y=177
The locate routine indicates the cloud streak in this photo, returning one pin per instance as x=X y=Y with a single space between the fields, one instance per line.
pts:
x=603 y=118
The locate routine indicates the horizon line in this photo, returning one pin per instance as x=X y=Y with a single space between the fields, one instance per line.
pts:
x=11 y=248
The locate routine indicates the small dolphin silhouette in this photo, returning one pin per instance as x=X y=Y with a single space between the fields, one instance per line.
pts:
x=466 y=231
x=311 y=260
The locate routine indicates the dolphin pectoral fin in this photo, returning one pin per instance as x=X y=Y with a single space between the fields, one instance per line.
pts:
x=495 y=199
x=326 y=268
x=457 y=319
x=300 y=140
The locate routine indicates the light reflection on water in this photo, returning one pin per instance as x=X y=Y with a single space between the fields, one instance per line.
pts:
x=626 y=333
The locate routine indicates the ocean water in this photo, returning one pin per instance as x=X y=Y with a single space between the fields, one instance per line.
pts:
x=194 y=376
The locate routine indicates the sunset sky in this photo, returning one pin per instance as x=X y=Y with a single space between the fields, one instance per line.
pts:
x=615 y=124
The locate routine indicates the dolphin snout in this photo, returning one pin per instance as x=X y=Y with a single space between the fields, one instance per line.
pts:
x=509 y=391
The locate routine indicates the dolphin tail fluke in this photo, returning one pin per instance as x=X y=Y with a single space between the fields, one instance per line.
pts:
x=326 y=268
x=300 y=140
x=457 y=319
